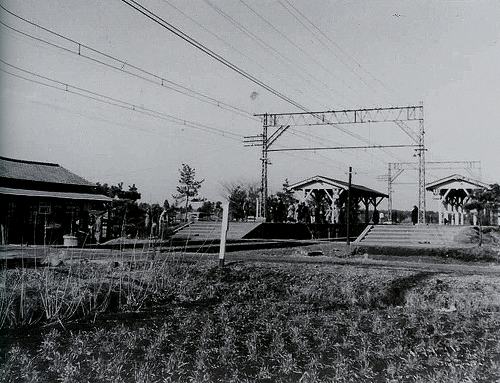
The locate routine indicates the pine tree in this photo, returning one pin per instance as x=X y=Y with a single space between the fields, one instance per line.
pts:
x=188 y=185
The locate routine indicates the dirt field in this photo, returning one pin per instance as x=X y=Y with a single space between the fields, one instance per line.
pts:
x=270 y=316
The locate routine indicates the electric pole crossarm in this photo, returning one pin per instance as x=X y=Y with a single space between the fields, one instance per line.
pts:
x=396 y=175
x=341 y=148
x=405 y=128
x=276 y=135
x=351 y=116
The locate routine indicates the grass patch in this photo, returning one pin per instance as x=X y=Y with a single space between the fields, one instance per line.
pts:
x=251 y=322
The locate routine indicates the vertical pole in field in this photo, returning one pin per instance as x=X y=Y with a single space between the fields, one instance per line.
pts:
x=389 y=193
x=348 y=208
x=421 y=168
x=45 y=232
x=223 y=233
x=263 y=201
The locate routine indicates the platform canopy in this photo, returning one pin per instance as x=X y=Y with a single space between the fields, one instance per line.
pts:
x=454 y=192
x=335 y=191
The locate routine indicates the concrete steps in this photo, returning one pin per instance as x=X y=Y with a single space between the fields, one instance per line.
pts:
x=410 y=235
x=211 y=230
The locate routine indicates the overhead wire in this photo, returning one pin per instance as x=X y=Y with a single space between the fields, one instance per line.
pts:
x=293 y=43
x=176 y=31
x=231 y=46
x=285 y=60
x=114 y=58
x=122 y=64
x=358 y=64
x=245 y=30
x=349 y=67
x=246 y=56
x=319 y=40
x=66 y=87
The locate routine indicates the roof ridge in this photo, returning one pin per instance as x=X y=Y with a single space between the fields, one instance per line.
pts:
x=29 y=162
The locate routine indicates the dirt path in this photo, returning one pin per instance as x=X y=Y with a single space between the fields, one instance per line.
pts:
x=359 y=262
x=335 y=256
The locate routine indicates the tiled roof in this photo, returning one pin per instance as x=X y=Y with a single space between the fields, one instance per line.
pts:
x=38 y=171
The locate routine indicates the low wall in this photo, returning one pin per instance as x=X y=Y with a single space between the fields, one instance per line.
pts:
x=271 y=230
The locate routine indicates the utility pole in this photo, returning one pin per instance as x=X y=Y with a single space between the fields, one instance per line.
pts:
x=348 y=208
x=389 y=193
x=265 y=162
x=421 y=170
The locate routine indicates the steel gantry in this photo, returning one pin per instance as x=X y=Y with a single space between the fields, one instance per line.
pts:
x=279 y=123
x=394 y=170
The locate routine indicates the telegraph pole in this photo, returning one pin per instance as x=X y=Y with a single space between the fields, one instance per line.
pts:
x=421 y=170
x=265 y=162
x=389 y=193
x=348 y=207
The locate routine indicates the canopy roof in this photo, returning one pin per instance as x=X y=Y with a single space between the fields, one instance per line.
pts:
x=456 y=181
x=322 y=182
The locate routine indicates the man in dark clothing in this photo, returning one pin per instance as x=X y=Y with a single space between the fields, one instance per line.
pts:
x=414 y=215
x=376 y=216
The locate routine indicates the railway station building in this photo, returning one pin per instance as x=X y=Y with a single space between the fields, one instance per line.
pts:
x=42 y=202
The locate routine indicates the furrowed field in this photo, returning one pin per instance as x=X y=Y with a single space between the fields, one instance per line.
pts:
x=179 y=321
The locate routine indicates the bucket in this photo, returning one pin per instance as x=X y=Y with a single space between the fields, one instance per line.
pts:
x=70 y=241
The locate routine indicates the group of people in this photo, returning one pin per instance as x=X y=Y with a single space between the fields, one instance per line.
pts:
x=414 y=216
x=296 y=212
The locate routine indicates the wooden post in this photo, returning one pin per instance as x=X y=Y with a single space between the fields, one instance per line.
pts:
x=366 y=202
x=348 y=207
x=223 y=233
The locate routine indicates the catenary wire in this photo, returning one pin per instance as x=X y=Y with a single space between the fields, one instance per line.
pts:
x=293 y=43
x=358 y=64
x=116 y=102
x=176 y=31
x=122 y=64
x=232 y=47
x=285 y=60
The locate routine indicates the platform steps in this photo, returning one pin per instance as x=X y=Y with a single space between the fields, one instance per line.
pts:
x=211 y=230
x=404 y=235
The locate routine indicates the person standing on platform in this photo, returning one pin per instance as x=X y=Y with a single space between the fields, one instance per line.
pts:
x=414 y=215
x=376 y=216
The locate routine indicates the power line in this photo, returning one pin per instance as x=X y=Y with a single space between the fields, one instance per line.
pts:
x=341 y=49
x=299 y=48
x=65 y=87
x=285 y=60
x=321 y=42
x=165 y=24
x=243 y=54
x=176 y=31
x=123 y=64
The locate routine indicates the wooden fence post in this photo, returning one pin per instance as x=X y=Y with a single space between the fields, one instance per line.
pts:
x=223 y=233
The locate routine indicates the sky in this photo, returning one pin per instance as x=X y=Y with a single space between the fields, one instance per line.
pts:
x=355 y=54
